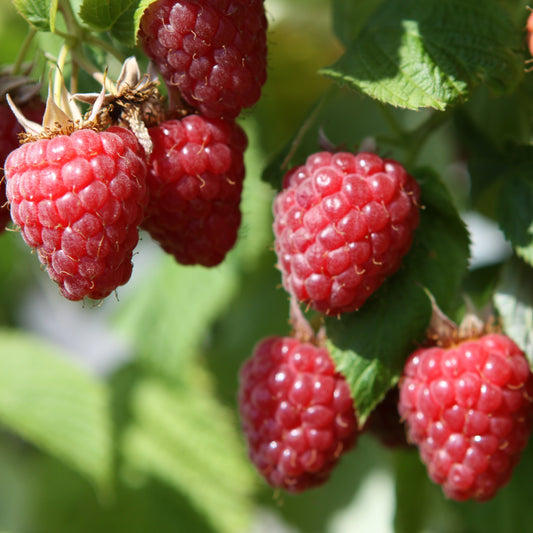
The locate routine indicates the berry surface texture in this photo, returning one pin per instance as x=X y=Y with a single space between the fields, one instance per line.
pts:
x=468 y=409
x=342 y=224
x=9 y=132
x=214 y=52
x=195 y=179
x=296 y=411
x=78 y=200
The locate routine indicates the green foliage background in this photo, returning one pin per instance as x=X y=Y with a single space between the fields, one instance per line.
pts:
x=154 y=444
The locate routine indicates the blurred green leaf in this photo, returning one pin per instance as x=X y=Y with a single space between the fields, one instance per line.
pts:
x=102 y=14
x=281 y=162
x=55 y=405
x=415 y=54
x=39 y=13
x=61 y=501
x=183 y=437
x=349 y=17
x=369 y=346
x=515 y=212
x=420 y=504
x=505 y=173
x=514 y=301
x=170 y=315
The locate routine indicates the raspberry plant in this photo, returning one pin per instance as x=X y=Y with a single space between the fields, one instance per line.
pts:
x=151 y=438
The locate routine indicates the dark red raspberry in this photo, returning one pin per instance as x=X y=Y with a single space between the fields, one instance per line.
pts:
x=195 y=178
x=9 y=131
x=343 y=223
x=214 y=51
x=297 y=413
x=468 y=409
x=385 y=424
x=79 y=200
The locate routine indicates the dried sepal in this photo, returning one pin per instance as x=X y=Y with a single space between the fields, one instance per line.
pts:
x=61 y=116
x=444 y=332
x=133 y=102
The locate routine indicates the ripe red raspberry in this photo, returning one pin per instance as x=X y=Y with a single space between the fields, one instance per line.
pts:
x=79 y=200
x=468 y=409
x=297 y=413
x=9 y=131
x=195 y=177
x=342 y=224
x=214 y=51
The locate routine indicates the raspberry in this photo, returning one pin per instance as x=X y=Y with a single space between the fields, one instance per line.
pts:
x=468 y=409
x=195 y=176
x=297 y=413
x=79 y=200
x=385 y=424
x=9 y=131
x=342 y=224
x=214 y=51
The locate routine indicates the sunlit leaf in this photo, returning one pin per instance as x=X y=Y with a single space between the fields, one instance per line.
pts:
x=414 y=54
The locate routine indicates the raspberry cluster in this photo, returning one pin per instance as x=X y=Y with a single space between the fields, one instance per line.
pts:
x=468 y=408
x=342 y=224
x=214 y=54
x=297 y=413
x=80 y=194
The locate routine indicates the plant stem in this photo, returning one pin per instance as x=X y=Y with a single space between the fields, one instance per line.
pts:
x=58 y=77
x=24 y=50
x=106 y=47
x=394 y=125
x=421 y=134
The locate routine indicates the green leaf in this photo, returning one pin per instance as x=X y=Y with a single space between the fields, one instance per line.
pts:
x=183 y=437
x=281 y=162
x=39 y=13
x=127 y=25
x=515 y=212
x=505 y=173
x=514 y=301
x=54 y=405
x=370 y=346
x=349 y=17
x=416 y=54
x=169 y=317
x=102 y=14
